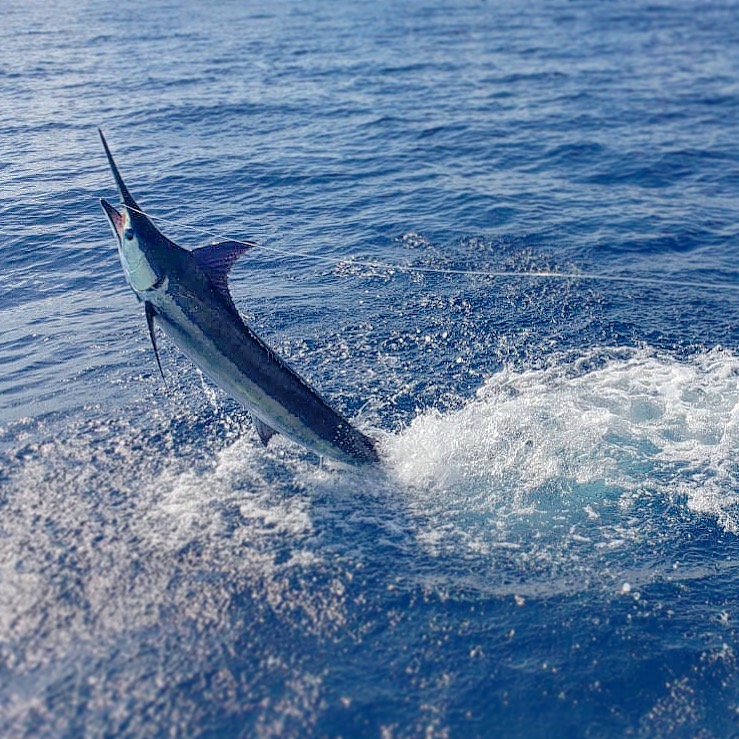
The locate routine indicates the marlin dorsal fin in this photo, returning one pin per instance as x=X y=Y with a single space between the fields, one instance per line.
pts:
x=217 y=259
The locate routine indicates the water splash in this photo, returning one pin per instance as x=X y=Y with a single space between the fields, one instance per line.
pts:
x=581 y=442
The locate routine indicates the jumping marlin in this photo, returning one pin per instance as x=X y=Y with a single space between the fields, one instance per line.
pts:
x=186 y=293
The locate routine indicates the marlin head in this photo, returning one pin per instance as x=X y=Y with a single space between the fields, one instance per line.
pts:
x=140 y=244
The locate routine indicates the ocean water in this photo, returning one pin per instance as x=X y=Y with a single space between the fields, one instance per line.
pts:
x=550 y=547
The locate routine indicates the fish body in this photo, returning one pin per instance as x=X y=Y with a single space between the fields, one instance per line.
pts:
x=186 y=293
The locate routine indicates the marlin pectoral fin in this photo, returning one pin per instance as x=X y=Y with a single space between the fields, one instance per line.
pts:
x=217 y=259
x=265 y=432
x=149 y=308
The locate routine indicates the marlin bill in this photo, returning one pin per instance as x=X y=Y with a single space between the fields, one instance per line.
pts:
x=185 y=292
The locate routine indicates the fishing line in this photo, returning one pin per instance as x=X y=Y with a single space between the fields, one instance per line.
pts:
x=513 y=274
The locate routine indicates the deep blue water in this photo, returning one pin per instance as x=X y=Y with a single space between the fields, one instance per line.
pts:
x=550 y=547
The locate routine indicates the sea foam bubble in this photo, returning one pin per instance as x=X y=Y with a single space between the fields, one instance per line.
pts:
x=608 y=427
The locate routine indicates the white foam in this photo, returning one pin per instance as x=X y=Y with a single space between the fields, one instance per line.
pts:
x=581 y=434
x=185 y=504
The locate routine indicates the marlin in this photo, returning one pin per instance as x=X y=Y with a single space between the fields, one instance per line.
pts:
x=185 y=292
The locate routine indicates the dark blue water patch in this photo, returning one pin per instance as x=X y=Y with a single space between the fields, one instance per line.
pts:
x=684 y=241
x=575 y=154
x=666 y=172
x=503 y=681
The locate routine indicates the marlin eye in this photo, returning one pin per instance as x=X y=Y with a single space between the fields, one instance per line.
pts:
x=128 y=234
